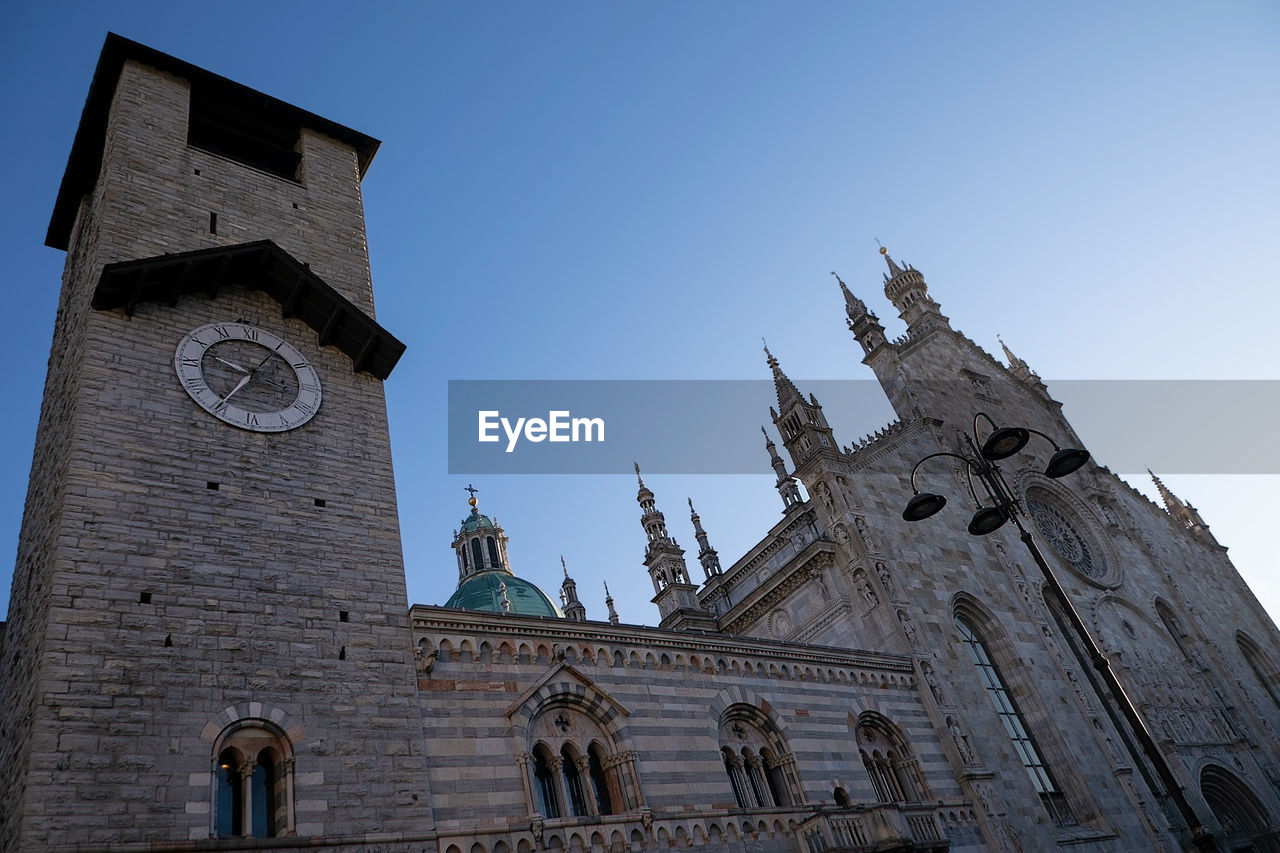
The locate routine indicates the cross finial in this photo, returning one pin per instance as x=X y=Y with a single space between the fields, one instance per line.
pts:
x=769 y=359
x=838 y=278
x=471 y=489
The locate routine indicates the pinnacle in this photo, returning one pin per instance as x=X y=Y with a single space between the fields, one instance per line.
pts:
x=853 y=306
x=894 y=269
x=1171 y=501
x=787 y=391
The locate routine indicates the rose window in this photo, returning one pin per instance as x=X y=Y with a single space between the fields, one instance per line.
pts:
x=1062 y=536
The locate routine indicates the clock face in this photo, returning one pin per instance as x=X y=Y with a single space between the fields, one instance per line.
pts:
x=248 y=377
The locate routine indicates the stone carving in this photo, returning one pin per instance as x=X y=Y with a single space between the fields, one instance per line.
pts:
x=886 y=580
x=1063 y=537
x=863 y=585
x=824 y=495
x=779 y=623
x=961 y=740
x=931 y=679
x=909 y=629
x=863 y=532
x=536 y=826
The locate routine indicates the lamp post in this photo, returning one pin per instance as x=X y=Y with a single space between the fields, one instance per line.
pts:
x=1002 y=443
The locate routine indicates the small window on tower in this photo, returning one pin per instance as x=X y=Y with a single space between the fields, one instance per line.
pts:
x=238 y=131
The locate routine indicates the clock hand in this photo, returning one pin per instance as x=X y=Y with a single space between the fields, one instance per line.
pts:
x=230 y=364
x=244 y=380
x=265 y=381
x=254 y=373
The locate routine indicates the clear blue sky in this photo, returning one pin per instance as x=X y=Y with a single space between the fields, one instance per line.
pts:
x=607 y=190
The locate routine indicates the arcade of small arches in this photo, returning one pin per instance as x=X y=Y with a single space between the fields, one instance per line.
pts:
x=661 y=834
x=466 y=650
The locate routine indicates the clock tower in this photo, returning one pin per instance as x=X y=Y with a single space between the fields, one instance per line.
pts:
x=207 y=636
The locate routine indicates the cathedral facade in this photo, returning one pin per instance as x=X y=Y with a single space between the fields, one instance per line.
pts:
x=209 y=645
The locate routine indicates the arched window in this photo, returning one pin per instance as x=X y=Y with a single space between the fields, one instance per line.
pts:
x=577 y=770
x=493 y=552
x=773 y=777
x=229 y=794
x=893 y=768
x=262 y=795
x=760 y=767
x=1243 y=818
x=733 y=767
x=599 y=785
x=1253 y=656
x=573 y=782
x=755 y=776
x=544 y=783
x=1015 y=726
x=477 y=556
x=253 y=784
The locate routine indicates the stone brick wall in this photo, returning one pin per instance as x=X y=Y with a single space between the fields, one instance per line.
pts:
x=147 y=602
x=486 y=679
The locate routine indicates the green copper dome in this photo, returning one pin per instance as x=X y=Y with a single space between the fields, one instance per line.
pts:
x=476 y=520
x=481 y=591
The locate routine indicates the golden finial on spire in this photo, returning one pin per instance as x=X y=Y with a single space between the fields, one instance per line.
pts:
x=472 y=490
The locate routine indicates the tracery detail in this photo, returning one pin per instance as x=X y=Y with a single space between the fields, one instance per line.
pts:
x=1063 y=537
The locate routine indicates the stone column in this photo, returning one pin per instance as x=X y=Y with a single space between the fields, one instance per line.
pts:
x=525 y=760
x=587 y=783
x=286 y=767
x=246 y=796
x=556 y=766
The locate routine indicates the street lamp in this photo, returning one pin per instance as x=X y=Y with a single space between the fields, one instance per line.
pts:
x=1002 y=443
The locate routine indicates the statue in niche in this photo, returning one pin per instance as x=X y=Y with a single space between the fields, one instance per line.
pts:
x=863 y=532
x=824 y=494
x=816 y=575
x=863 y=586
x=961 y=740
x=931 y=679
x=883 y=571
x=909 y=629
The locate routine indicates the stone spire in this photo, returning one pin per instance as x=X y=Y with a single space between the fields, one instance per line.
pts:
x=608 y=602
x=787 y=391
x=1019 y=368
x=853 y=306
x=1182 y=512
x=864 y=324
x=675 y=595
x=786 y=484
x=906 y=289
x=707 y=555
x=574 y=610
x=651 y=519
x=800 y=422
